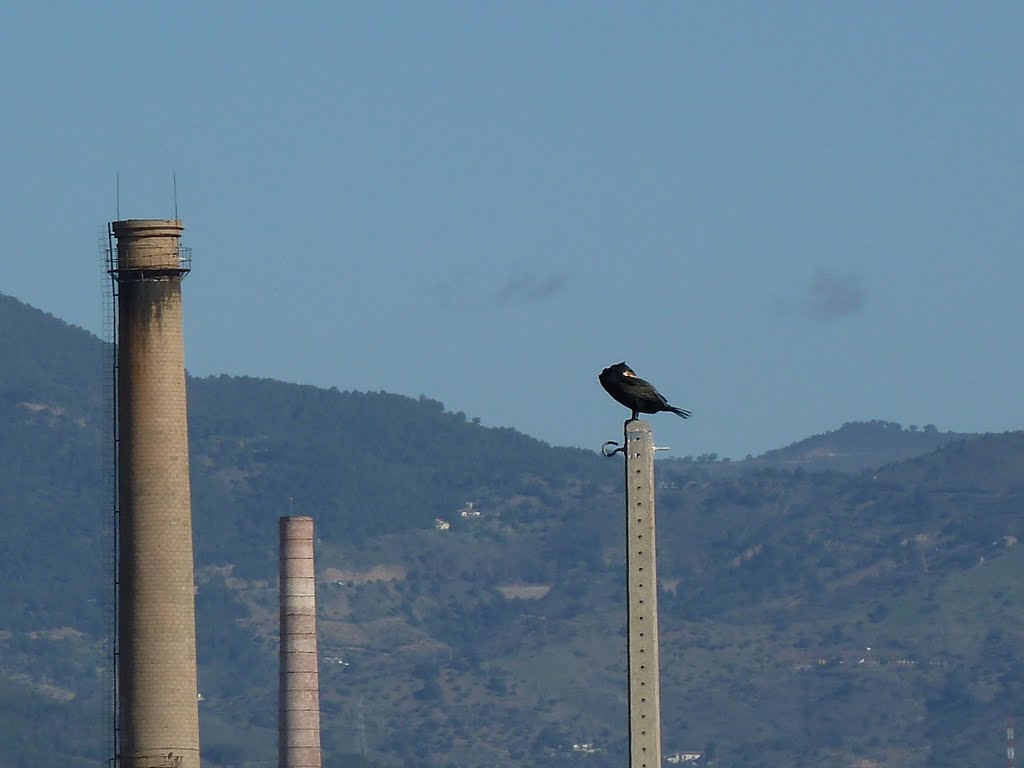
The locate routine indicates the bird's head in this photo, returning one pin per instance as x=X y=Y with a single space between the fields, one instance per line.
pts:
x=617 y=370
x=623 y=370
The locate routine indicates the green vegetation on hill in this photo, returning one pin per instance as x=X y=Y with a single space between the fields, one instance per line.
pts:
x=853 y=447
x=861 y=618
x=365 y=464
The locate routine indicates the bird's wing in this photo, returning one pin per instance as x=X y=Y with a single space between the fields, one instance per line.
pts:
x=643 y=389
x=636 y=384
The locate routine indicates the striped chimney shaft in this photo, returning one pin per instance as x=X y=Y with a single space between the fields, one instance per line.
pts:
x=299 y=713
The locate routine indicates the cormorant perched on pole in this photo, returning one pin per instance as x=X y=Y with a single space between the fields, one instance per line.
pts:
x=639 y=396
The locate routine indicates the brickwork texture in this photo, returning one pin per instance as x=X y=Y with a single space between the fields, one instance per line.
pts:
x=159 y=713
x=299 y=704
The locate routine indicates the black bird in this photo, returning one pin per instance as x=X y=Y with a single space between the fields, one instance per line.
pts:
x=639 y=396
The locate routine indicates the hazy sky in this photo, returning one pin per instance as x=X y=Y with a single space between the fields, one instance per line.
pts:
x=786 y=215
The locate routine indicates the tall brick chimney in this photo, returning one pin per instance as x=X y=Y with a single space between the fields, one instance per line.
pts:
x=159 y=715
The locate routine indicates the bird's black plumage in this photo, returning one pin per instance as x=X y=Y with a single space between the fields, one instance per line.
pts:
x=639 y=396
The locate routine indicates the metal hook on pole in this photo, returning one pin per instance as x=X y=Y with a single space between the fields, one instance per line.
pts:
x=610 y=453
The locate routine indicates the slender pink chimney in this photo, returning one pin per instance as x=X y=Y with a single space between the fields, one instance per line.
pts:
x=298 y=743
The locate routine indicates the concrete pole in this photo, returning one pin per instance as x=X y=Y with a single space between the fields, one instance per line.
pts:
x=642 y=599
x=159 y=723
x=298 y=739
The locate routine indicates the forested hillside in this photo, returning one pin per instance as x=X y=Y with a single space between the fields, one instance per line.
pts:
x=861 y=618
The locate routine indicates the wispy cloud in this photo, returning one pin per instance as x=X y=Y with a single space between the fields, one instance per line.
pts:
x=827 y=296
x=527 y=288
x=516 y=290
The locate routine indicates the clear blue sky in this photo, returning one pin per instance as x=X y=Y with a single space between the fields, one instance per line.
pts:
x=786 y=215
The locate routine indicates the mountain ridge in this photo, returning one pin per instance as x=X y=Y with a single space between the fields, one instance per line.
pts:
x=774 y=579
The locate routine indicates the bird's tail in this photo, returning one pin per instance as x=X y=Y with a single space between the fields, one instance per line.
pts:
x=679 y=412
